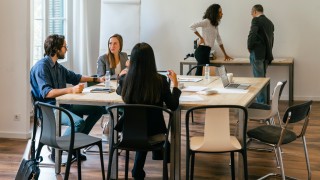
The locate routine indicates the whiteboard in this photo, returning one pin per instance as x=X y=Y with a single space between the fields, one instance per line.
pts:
x=121 y=17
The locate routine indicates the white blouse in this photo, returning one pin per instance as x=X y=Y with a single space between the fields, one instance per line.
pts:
x=117 y=70
x=209 y=32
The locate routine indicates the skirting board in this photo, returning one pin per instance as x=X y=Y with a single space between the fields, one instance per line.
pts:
x=15 y=135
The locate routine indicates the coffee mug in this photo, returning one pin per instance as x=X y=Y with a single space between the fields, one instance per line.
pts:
x=230 y=77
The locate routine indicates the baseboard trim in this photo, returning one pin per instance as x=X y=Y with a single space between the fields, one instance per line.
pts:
x=15 y=135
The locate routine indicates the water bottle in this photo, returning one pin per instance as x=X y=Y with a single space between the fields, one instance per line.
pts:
x=207 y=72
x=108 y=78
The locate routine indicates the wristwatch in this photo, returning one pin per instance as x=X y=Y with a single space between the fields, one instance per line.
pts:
x=95 y=79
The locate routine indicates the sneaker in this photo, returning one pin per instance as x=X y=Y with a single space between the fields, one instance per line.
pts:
x=52 y=156
x=82 y=157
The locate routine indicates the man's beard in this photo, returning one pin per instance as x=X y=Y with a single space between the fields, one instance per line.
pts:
x=60 y=55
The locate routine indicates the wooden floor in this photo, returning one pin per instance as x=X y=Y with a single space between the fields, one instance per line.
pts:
x=208 y=166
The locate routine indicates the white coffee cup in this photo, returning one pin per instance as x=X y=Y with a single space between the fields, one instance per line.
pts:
x=230 y=77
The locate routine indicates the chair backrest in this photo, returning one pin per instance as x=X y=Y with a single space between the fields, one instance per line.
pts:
x=48 y=124
x=217 y=126
x=282 y=87
x=275 y=99
x=192 y=71
x=134 y=122
x=296 y=114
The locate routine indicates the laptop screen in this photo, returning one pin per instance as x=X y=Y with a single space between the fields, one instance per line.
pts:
x=165 y=74
x=223 y=75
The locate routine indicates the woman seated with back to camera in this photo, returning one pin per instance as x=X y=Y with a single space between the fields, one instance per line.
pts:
x=142 y=84
x=114 y=60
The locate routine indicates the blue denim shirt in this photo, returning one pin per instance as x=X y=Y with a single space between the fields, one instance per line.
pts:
x=45 y=76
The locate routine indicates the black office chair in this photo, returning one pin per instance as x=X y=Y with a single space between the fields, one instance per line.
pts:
x=276 y=136
x=192 y=71
x=134 y=133
x=70 y=143
x=217 y=137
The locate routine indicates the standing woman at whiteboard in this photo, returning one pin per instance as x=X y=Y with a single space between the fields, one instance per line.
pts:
x=209 y=34
x=114 y=60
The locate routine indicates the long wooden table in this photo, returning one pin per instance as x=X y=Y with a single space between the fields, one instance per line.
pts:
x=105 y=99
x=287 y=61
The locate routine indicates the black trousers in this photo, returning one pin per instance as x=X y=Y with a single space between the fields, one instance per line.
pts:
x=202 y=55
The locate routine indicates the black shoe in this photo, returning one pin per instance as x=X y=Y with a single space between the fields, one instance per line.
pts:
x=82 y=157
x=52 y=156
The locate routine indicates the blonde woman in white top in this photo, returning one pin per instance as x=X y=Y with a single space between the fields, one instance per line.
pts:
x=209 y=34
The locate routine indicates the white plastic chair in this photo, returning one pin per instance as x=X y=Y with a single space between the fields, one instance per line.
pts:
x=216 y=138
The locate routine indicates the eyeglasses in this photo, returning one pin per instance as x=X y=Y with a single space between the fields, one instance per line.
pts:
x=66 y=46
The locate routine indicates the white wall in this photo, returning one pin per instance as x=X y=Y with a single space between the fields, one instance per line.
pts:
x=14 y=68
x=164 y=25
x=121 y=17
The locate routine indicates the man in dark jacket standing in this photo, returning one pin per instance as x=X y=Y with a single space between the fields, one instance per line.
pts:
x=260 y=43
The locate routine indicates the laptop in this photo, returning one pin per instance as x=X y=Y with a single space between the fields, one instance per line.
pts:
x=165 y=74
x=226 y=84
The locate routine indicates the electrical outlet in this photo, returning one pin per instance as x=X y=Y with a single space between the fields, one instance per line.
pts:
x=17 y=117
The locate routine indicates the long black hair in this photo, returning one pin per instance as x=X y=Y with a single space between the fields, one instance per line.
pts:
x=212 y=13
x=142 y=84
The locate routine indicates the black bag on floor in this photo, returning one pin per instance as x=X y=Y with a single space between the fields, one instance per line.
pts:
x=29 y=169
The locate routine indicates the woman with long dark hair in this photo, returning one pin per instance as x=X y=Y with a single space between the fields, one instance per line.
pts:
x=144 y=85
x=210 y=34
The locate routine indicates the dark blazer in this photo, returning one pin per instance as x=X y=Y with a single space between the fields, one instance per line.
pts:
x=261 y=37
x=156 y=124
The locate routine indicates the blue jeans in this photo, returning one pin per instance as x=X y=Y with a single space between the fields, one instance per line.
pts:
x=77 y=112
x=259 y=69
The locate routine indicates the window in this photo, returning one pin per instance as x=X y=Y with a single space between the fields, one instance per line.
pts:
x=49 y=17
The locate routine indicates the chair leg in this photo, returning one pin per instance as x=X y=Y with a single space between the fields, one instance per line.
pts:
x=245 y=163
x=78 y=163
x=101 y=160
x=277 y=157
x=232 y=165
x=110 y=163
x=68 y=165
x=165 y=164
x=187 y=164
x=307 y=156
x=193 y=154
x=126 y=165
x=278 y=151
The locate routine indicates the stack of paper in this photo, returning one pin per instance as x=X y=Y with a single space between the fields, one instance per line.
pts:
x=189 y=79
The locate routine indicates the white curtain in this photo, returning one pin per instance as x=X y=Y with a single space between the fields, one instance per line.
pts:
x=85 y=36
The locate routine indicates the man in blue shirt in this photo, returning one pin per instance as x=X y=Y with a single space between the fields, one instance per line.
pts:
x=49 y=80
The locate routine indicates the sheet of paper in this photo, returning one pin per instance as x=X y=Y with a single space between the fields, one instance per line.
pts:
x=224 y=90
x=194 y=88
x=191 y=98
x=189 y=79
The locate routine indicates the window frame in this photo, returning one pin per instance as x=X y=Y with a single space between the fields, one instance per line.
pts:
x=67 y=8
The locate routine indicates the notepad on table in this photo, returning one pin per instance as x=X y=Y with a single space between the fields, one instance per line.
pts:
x=100 y=90
x=194 y=88
x=189 y=79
